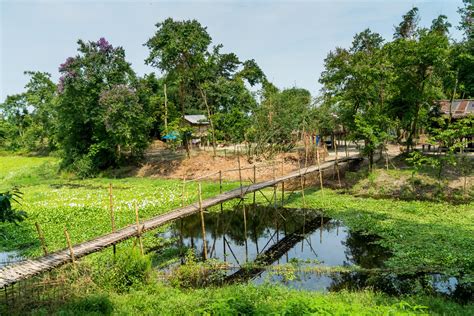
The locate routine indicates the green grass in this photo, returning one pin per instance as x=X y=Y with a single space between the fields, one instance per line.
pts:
x=25 y=171
x=82 y=205
x=159 y=299
x=420 y=235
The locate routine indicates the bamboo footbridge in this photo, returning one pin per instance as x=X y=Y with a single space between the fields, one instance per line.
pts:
x=19 y=271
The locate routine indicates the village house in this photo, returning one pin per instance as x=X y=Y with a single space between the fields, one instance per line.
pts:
x=200 y=126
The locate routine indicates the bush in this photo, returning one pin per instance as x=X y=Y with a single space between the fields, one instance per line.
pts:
x=95 y=304
x=7 y=212
x=129 y=269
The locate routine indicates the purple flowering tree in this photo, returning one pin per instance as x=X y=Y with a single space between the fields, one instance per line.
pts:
x=101 y=120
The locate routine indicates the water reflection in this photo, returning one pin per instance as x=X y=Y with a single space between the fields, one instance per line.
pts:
x=267 y=236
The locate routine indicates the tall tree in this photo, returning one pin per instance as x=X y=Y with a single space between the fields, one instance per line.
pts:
x=407 y=28
x=178 y=49
x=420 y=65
x=99 y=116
x=30 y=116
x=357 y=84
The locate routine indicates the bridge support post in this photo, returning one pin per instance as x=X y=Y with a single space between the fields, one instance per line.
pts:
x=139 y=230
x=336 y=163
x=41 y=238
x=112 y=215
x=282 y=193
x=203 y=225
x=71 y=251
x=245 y=233
x=254 y=180
x=319 y=169
x=220 y=185
x=240 y=176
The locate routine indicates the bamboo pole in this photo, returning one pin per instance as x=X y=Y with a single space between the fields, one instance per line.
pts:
x=254 y=180
x=336 y=164
x=41 y=238
x=68 y=240
x=275 y=186
x=282 y=193
x=220 y=185
x=301 y=182
x=181 y=242
x=203 y=227
x=112 y=214
x=319 y=169
x=166 y=110
x=213 y=134
x=139 y=230
x=245 y=233
x=345 y=147
x=183 y=198
x=240 y=176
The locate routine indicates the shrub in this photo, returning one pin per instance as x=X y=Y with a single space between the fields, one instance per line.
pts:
x=7 y=212
x=129 y=269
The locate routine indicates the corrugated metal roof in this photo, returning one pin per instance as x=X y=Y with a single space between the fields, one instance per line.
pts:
x=198 y=119
x=459 y=108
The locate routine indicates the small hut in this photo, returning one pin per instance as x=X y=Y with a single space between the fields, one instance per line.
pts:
x=200 y=126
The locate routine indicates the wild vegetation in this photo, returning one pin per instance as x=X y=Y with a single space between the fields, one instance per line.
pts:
x=61 y=143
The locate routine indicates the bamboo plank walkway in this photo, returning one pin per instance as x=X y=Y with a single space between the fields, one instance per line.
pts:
x=28 y=268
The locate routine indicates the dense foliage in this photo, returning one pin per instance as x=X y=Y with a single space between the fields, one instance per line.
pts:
x=102 y=115
x=384 y=91
x=100 y=119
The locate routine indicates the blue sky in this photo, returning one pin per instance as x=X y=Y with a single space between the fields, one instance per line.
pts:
x=288 y=39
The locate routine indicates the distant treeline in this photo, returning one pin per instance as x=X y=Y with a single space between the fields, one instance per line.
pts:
x=101 y=114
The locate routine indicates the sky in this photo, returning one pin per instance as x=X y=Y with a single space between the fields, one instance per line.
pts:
x=288 y=39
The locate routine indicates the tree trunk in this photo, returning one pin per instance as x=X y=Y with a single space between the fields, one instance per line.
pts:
x=210 y=120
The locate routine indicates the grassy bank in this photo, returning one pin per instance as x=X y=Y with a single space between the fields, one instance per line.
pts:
x=256 y=300
x=420 y=234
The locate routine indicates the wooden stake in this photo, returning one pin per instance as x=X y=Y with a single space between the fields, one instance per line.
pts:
x=336 y=164
x=112 y=215
x=220 y=185
x=282 y=194
x=41 y=238
x=166 y=110
x=275 y=186
x=345 y=147
x=139 y=230
x=183 y=202
x=181 y=243
x=240 y=176
x=301 y=183
x=254 y=180
x=319 y=169
x=203 y=227
x=245 y=233
x=68 y=240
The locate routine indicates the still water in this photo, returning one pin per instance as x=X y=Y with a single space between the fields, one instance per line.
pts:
x=268 y=236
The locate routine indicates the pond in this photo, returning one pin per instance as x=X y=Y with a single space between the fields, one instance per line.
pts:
x=10 y=257
x=303 y=246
